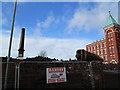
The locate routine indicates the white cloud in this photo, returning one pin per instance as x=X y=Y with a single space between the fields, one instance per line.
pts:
x=84 y=19
x=49 y=20
x=0 y=44
x=16 y=31
x=5 y=41
x=41 y=25
x=6 y=31
x=55 y=48
x=37 y=30
x=4 y=21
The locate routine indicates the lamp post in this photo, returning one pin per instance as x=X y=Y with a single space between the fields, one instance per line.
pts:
x=10 y=44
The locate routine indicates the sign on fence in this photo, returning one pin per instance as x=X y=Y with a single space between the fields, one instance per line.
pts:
x=55 y=75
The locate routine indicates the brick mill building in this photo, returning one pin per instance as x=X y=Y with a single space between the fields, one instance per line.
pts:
x=108 y=48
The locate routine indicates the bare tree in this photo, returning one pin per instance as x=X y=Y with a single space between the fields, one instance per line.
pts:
x=42 y=53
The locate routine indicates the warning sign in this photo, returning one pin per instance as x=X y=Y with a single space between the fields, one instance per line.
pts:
x=55 y=75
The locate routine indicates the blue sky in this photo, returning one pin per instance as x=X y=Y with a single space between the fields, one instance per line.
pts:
x=56 y=27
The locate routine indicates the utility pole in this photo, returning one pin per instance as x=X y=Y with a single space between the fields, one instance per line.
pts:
x=10 y=44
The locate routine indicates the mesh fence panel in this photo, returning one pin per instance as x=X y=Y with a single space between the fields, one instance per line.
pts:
x=79 y=75
x=33 y=75
x=98 y=74
x=10 y=75
x=106 y=75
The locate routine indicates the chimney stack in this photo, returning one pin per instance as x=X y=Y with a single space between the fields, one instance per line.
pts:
x=21 y=45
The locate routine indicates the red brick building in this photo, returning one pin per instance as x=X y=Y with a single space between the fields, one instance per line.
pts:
x=108 y=48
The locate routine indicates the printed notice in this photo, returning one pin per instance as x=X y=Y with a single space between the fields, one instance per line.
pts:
x=55 y=75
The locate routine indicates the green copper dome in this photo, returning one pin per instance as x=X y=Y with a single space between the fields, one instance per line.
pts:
x=110 y=21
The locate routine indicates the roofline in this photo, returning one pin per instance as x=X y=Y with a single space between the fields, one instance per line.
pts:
x=111 y=25
x=96 y=41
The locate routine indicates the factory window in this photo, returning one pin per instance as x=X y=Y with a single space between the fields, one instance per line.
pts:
x=96 y=46
x=112 y=42
x=105 y=57
x=100 y=52
x=101 y=45
x=94 y=52
x=119 y=49
x=104 y=51
x=104 y=44
x=112 y=49
x=97 y=52
x=109 y=35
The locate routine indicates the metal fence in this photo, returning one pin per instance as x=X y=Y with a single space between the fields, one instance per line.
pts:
x=36 y=72
x=11 y=75
x=32 y=74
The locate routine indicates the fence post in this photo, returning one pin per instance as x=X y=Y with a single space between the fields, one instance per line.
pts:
x=15 y=75
x=18 y=70
x=91 y=75
x=18 y=75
